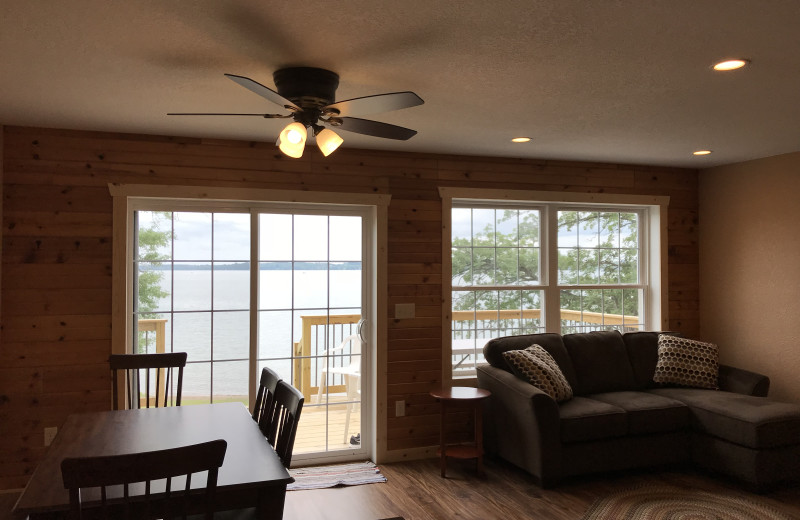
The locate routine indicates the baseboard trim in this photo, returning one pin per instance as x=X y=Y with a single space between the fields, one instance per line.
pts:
x=426 y=452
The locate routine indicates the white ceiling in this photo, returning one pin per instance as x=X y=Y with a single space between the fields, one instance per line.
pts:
x=626 y=81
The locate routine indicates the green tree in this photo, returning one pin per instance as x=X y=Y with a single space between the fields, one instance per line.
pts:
x=152 y=240
x=505 y=252
x=607 y=254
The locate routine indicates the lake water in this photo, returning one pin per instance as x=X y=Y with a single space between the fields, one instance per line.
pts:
x=206 y=307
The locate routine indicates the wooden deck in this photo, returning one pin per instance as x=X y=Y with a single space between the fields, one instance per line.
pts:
x=311 y=433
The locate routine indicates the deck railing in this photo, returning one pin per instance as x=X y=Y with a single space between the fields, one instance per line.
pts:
x=472 y=329
x=319 y=334
x=159 y=328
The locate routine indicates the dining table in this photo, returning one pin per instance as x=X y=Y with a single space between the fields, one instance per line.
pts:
x=251 y=476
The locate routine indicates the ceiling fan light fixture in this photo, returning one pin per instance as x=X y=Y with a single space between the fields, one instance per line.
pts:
x=328 y=141
x=292 y=140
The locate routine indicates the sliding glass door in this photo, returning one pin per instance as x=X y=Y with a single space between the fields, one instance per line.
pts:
x=240 y=287
x=311 y=289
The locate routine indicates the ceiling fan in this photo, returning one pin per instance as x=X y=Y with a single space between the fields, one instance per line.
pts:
x=308 y=94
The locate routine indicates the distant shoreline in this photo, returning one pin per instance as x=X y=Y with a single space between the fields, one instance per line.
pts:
x=193 y=265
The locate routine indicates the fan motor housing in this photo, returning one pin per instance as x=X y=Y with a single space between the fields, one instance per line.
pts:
x=308 y=87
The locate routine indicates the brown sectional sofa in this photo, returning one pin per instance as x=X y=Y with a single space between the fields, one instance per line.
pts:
x=620 y=419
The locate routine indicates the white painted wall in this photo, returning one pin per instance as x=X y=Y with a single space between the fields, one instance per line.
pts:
x=750 y=267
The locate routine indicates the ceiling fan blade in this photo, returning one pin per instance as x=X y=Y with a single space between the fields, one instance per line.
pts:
x=261 y=90
x=375 y=104
x=376 y=129
x=268 y=116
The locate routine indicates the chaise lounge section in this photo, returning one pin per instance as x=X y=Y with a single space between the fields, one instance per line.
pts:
x=619 y=418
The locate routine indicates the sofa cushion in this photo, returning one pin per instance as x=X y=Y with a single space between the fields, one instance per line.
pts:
x=600 y=361
x=643 y=354
x=538 y=368
x=755 y=422
x=584 y=419
x=648 y=413
x=686 y=362
x=552 y=343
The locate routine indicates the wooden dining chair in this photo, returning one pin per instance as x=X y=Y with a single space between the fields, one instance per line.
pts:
x=125 y=483
x=288 y=405
x=166 y=390
x=264 y=408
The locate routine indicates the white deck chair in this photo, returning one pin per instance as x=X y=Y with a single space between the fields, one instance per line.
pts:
x=351 y=374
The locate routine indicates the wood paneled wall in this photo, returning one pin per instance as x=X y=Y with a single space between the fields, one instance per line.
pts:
x=56 y=264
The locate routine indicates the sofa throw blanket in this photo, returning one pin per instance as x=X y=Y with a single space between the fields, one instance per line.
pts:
x=686 y=362
x=536 y=366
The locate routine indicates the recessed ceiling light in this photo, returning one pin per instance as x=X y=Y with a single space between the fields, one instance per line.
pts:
x=521 y=140
x=702 y=152
x=730 y=64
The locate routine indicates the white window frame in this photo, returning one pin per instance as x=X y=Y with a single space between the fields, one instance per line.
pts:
x=653 y=254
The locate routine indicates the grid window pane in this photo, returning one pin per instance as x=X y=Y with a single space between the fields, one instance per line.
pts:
x=310 y=226
x=501 y=249
x=528 y=265
x=600 y=309
x=154 y=235
x=188 y=227
x=479 y=316
x=588 y=229
x=275 y=237
x=483 y=230
x=507 y=228
x=598 y=248
x=461 y=223
x=507 y=266
x=232 y=237
x=462 y=266
x=483 y=266
x=528 y=228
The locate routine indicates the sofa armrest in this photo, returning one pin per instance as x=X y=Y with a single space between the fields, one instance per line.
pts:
x=521 y=424
x=740 y=381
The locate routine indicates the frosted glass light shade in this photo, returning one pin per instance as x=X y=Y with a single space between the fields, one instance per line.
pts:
x=328 y=141
x=292 y=140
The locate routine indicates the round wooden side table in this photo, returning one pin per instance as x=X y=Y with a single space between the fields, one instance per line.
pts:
x=461 y=396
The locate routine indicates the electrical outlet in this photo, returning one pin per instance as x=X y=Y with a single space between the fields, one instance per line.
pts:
x=399 y=408
x=49 y=435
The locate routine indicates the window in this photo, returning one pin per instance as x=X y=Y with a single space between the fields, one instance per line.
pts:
x=496 y=278
x=525 y=267
x=599 y=260
x=192 y=278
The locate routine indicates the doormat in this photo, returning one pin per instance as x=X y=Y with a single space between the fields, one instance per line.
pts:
x=668 y=502
x=316 y=477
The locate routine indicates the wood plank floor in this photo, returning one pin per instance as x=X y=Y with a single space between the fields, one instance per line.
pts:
x=416 y=491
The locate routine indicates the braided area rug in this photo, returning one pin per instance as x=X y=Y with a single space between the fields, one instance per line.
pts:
x=674 y=503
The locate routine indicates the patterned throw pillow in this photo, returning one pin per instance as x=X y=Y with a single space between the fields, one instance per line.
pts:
x=536 y=366
x=686 y=362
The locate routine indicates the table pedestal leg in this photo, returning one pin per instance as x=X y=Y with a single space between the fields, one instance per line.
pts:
x=442 y=443
x=479 y=437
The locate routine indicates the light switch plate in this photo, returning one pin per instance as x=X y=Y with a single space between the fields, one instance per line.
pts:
x=399 y=408
x=404 y=311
